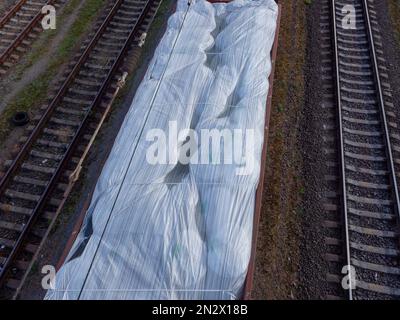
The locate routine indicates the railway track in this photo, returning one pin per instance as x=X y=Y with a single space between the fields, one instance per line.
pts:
x=19 y=27
x=34 y=184
x=362 y=143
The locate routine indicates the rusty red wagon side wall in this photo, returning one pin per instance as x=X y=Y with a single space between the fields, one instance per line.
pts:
x=260 y=189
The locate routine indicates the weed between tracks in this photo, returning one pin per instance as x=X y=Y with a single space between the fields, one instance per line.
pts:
x=35 y=93
x=277 y=256
x=137 y=65
x=140 y=59
x=394 y=9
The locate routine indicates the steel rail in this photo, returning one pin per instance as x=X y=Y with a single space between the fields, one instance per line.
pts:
x=388 y=149
x=41 y=125
x=21 y=36
x=389 y=153
x=57 y=99
x=341 y=148
x=11 y=12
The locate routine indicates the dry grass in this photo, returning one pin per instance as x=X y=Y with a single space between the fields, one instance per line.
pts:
x=35 y=93
x=278 y=251
x=394 y=9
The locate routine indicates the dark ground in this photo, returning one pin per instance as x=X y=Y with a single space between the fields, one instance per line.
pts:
x=54 y=247
x=290 y=249
x=285 y=226
x=280 y=234
x=5 y=5
x=389 y=25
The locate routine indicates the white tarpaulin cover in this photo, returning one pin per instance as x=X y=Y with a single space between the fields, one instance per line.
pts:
x=176 y=230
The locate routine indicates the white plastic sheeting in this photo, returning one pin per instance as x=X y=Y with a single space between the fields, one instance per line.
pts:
x=181 y=231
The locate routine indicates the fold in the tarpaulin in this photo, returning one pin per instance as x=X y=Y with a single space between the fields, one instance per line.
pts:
x=173 y=230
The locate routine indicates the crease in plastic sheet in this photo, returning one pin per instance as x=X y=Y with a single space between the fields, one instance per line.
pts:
x=178 y=231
